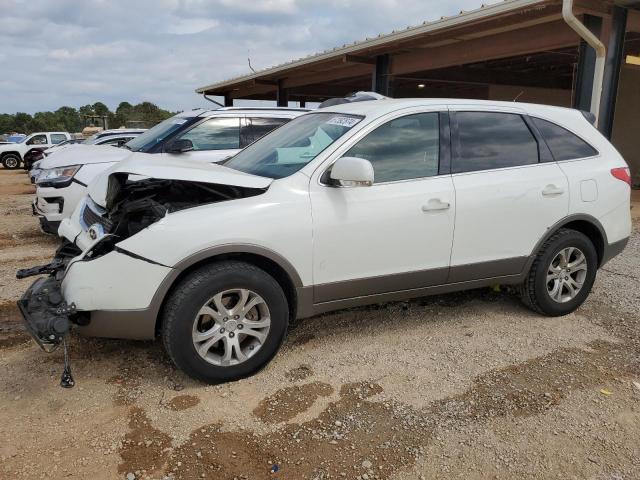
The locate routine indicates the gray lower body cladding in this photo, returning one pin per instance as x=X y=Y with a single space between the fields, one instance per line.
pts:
x=142 y=324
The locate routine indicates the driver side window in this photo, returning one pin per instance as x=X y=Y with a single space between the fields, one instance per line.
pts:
x=215 y=134
x=37 y=140
x=402 y=149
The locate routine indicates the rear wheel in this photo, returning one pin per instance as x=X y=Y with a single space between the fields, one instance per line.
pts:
x=562 y=274
x=11 y=161
x=224 y=321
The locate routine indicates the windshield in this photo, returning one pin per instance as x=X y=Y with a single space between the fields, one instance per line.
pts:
x=157 y=134
x=292 y=146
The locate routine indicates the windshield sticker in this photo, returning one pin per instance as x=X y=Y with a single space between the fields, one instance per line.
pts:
x=344 y=121
x=178 y=121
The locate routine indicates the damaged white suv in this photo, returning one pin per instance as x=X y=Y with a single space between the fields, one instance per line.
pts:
x=349 y=205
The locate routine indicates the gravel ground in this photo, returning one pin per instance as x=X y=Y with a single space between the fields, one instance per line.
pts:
x=470 y=385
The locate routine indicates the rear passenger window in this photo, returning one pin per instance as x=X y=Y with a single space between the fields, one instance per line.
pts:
x=564 y=145
x=402 y=149
x=491 y=140
x=57 y=138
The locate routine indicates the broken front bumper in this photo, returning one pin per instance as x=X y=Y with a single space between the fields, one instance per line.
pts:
x=46 y=314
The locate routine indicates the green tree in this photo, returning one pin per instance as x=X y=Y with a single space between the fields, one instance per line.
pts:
x=69 y=118
x=21 y=121
x=100 y=109
x=6 y=123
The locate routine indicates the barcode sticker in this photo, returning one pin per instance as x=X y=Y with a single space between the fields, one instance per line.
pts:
x=344 y=121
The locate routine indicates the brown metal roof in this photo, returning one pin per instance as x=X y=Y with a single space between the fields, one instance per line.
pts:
x=503 y=30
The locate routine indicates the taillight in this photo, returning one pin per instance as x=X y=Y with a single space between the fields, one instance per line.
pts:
x=623 y=174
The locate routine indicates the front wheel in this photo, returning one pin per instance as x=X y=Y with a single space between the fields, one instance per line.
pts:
x=562 y=274
x=11 y=161
x=224 y=321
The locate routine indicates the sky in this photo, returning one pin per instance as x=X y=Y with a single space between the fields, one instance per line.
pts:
x=68 y=52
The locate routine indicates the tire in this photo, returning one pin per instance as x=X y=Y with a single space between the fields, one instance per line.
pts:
x=547 y=289
x=183 y=320
x=11 y=161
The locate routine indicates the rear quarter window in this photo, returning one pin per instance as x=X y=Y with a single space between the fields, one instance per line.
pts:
x=563 y=144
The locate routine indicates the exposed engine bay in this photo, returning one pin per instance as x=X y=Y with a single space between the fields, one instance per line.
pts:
x=133 y=205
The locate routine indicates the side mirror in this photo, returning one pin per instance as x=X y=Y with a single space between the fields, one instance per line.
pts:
x=180 y=146
x=352 y=172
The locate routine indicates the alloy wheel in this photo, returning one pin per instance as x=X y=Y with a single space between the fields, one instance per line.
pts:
x=231 y=327
x=11 y=162
x=566 y=274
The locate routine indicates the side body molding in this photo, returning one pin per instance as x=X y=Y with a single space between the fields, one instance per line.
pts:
x=142 y=324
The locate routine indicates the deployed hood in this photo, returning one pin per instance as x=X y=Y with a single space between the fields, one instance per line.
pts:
x=169 y=167
x=83 y=154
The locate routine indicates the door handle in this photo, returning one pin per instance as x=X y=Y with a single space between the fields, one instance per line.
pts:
x=435 y=205
x=552 y=191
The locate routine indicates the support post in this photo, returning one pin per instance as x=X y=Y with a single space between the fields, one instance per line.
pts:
x=380 y=78
x=615 y=58
x=303 y=103
x=282 y=96
x=586 y=67
x=228 y=101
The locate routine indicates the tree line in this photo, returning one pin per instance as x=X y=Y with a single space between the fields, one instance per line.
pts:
x=69 y=119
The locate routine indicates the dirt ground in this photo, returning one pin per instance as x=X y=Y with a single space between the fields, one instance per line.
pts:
x=471 y=385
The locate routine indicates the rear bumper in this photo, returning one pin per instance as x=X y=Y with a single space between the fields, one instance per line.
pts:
x=613 y=250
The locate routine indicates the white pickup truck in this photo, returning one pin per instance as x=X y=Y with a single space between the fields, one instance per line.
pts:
x=11 y=155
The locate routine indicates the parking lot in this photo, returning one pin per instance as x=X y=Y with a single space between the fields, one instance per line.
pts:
x=469 y=385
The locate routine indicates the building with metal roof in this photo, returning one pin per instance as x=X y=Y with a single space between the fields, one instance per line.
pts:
x=580 y=53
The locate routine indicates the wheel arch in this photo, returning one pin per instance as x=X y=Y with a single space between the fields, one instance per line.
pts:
x=268 y=260
x=15 y=152
x=583 y=223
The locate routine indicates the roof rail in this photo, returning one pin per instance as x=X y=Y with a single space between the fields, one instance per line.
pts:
x=353 y=97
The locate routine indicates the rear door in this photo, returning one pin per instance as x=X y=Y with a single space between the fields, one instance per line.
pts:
x=508 y=192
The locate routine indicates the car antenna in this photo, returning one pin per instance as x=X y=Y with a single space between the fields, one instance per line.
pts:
x=66 y=381
x=249 y=60
x=518 y=96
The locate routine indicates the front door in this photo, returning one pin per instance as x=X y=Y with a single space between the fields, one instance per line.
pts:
x=396 y=234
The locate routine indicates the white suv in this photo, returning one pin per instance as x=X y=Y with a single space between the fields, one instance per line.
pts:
x=12 y=154
x=349 y=205
x=203 y=135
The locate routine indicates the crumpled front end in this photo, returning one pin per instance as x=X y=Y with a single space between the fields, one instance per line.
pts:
x=47 y=315
x=101 y=287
